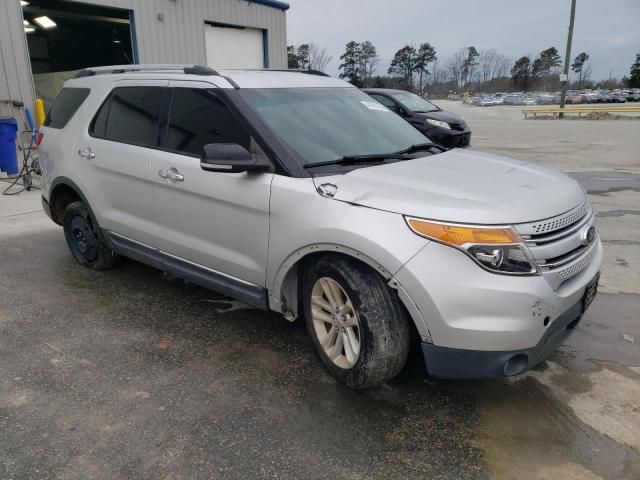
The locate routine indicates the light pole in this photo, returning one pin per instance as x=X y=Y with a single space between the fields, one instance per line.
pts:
x=567 y=57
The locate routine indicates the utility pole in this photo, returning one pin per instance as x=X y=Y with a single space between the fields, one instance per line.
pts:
x=567 y=57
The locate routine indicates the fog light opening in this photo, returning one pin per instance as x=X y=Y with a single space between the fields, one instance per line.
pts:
x=545 y=322
x=516 y=365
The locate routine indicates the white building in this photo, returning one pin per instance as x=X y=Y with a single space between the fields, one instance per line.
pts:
x=44 y=42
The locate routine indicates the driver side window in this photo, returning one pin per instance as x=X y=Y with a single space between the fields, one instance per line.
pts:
x=198 y=117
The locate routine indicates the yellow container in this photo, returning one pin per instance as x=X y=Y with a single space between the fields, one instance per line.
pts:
x=39 y=112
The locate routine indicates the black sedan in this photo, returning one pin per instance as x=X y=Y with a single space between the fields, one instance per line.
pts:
x=445 y=128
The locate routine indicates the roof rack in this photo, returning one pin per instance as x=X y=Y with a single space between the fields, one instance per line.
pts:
x=188 y=69
x=293 y=70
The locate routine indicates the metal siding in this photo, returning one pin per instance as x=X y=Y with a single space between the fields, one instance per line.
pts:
x=180 y=37
x=15 y=69
x=177 y=39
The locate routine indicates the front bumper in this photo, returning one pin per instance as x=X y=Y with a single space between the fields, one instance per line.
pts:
x=443 y=362
x=449 y=138
x=467 y=315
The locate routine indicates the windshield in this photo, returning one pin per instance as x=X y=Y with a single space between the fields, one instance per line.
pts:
x=324 y=124
x=414 y=103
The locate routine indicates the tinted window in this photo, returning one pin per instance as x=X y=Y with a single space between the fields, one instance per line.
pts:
x=67 y=103
x=199 y=117
x=130 y=115
x=385 y=101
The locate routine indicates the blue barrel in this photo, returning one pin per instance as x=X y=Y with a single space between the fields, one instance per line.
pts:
x=8 y=154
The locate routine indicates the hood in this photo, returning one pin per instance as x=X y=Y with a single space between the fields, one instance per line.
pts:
x=450 y=118
x=463 y=186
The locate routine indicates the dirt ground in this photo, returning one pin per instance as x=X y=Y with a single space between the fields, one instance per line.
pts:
x=131 y=373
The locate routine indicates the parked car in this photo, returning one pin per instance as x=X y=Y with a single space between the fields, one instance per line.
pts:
x=445 y=128
x=299 y=194
x=605 y=97
x=574 y=98
x=591 y=97
x=486 y=102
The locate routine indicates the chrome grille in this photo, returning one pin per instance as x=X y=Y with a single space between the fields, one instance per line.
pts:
x=561 y=221
x=580 y=265
x=557 y=243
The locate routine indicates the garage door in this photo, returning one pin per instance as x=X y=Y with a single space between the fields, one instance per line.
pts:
x=229 y=47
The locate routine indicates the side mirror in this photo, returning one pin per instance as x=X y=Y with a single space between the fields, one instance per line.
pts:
x=402 y=111
x=229 y=158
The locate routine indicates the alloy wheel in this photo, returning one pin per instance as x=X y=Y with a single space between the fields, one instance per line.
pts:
x=335 y=322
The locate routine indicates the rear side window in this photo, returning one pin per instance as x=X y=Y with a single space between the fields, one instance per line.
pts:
x=199 y=117
x=130 y=115
x=67 y=103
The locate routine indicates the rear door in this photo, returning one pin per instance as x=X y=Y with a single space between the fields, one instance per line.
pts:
x=113 y=159
x=216 y=220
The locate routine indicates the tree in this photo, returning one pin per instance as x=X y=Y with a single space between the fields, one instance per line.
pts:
x=351 y=63
x=455 y=67
x=318 y=58
x=368 y=61
x=537 y=68
x=404 y=63
x=469 y=64
x=550 y=59
x=307 y=56
x=521 y=72
x=578 y=66
x=425 y=55
x=304 y=56
x=633 y=81
x=292 y=57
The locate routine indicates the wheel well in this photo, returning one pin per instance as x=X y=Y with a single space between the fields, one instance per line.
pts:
x=294 y=281
x=291 y=288
x=61 y=196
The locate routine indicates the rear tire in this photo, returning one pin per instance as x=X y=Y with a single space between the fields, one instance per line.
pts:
x=85 y=240
x=340 y=294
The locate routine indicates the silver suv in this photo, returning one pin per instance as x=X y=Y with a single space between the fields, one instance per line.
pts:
x=300 y=194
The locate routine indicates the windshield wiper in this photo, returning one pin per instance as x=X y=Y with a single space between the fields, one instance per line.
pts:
x=359 y=159
x=418 y=147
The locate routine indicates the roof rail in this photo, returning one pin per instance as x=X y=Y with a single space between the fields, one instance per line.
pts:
x=188 y=69
x=293 y=70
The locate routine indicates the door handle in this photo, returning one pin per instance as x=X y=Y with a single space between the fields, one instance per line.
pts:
x=87 y=153
x=171 y=174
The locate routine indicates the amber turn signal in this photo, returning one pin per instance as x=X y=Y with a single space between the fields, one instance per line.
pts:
x=459 y=235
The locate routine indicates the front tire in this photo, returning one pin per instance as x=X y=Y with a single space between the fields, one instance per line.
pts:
x=85 y=240
x=356 y=322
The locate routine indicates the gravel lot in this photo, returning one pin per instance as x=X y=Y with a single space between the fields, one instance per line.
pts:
x=131 y=373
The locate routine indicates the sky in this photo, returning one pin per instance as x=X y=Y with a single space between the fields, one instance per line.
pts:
x=608 y=30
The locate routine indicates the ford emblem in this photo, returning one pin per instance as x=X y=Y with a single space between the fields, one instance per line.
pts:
x=588 y=235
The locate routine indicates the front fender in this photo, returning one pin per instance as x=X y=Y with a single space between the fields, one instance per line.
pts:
x=302 y=222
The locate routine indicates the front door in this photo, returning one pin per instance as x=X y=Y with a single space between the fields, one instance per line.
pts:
x=216 y=220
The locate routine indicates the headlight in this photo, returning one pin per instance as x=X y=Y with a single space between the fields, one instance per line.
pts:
x=438 y=123
x=497 y=249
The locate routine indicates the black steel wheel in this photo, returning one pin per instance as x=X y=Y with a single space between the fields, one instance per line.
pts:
x=84 y=240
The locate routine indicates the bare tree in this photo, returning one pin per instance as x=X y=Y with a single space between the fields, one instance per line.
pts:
x=492 y=65
x=368 y=61
x=318 y=58
x=502 y=66
x=455 y=67
x=487 y=61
